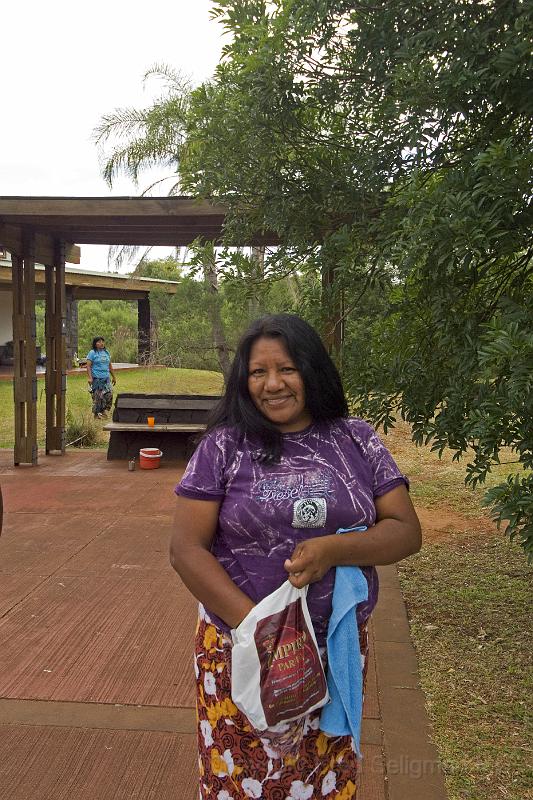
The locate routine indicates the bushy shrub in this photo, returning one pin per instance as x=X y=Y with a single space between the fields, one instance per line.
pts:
x=82 y=431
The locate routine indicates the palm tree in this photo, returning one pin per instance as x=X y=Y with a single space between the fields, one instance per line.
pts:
x=147 y=137
x=154 y=137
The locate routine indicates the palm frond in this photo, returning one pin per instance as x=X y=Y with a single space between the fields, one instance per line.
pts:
x=143 y=138
x=121 y=123
x=131 y=140
x=175 y=80
x=146 y=192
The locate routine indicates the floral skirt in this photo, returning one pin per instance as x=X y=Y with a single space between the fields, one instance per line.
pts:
x=236 y=762
x=102 y=395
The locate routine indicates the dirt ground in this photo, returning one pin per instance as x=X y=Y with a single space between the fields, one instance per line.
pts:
x=440 y=518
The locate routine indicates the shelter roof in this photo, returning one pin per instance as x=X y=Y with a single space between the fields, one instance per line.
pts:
x=86 y=284
x=171 y=221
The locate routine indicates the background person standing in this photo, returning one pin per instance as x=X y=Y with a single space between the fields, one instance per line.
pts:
x=100 y=376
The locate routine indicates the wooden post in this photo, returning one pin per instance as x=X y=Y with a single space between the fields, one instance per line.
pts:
x=55 y=329
x=49 y=311
x=143 y=329
x=25 y=352
x=71 y=339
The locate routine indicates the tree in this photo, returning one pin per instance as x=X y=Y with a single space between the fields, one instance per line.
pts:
x=144 y=138
x=186 y=322
x=115 y=320
x=388 y=144
x=148 y=137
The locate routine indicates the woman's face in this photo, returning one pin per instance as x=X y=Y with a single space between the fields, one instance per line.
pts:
x=100 y=344
x=275 y=385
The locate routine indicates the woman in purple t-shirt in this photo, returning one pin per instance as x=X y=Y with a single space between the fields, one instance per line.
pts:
x=280 y=469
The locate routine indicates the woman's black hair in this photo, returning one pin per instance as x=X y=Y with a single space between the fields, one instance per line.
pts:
x=99 y=339
x=324 y=395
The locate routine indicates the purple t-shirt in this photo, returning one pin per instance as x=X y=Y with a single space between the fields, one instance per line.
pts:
x=328 y=477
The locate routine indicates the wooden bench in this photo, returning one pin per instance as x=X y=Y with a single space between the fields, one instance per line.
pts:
x=179 y=419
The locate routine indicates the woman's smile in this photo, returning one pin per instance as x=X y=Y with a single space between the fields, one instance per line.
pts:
x=276 y=401
x=276 y=386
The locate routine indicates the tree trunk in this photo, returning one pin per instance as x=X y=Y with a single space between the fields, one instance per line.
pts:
x=217 y=327
x=333 y=310
x=258 y=256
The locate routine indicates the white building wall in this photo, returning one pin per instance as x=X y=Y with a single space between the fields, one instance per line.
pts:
x=6 y=317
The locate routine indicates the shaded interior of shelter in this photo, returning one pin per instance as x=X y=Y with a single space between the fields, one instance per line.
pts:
x=79 y=285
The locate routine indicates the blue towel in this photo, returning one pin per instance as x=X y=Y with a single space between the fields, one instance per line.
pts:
x=342 y=715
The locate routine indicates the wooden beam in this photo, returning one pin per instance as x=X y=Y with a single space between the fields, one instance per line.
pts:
x=88 y=293
x=120 y=282
x=170 y=221
x=170 y=238
x=109 y=206
x=25 y=353
x=113 y=223
x=11 y=237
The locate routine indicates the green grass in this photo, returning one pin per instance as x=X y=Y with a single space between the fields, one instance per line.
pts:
x=468 y=598
x=146 y=381
x=469 y=606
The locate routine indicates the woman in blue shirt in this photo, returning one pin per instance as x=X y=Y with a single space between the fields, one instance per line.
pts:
x=100 y=375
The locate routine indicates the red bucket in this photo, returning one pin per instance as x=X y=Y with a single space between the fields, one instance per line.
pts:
x=150 y=457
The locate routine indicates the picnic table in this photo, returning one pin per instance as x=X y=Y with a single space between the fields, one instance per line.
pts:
x=178 y=420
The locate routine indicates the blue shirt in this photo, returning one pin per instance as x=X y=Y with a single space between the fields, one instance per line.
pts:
x=100 y=363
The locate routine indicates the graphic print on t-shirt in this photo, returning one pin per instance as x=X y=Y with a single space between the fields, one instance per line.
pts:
x=309 y=513
x=308 y=492
x=293 y=487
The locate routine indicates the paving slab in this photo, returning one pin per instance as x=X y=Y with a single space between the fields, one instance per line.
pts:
x=112 y=494
x=40 y=543
x=51 y=763
x=15 y=588
x=101 y=716
x=136 y=546
x=108 y=640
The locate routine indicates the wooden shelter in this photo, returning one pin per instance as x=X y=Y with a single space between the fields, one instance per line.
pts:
x=49 y=230
x=90 y=285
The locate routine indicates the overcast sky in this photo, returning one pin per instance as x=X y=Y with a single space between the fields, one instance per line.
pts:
x=65 y=64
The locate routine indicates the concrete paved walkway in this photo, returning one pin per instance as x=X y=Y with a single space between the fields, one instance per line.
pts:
x=96 y=631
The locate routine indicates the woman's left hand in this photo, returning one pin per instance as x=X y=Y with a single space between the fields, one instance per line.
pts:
x=310 y=561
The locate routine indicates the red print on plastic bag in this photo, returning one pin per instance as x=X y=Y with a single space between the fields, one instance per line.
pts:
x=292 y=679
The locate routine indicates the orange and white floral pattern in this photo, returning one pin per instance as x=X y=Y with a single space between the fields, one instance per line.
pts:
x=238 y=763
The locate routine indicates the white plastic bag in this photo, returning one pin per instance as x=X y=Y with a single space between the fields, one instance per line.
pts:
x=276 y=670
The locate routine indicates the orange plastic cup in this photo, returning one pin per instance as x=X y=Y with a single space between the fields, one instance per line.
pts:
x=151 y=421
